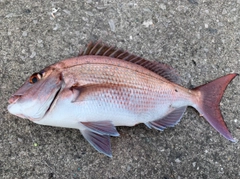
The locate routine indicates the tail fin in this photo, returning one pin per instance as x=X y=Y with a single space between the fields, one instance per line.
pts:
x=211 y=95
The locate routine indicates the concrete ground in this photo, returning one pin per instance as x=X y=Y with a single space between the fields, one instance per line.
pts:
x=201 y=39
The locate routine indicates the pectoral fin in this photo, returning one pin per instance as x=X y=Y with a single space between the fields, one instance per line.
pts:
x=102 y=128
x=100 y=142
x=90 y=92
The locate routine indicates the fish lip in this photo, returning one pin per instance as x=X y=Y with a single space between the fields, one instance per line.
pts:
x=14 y=99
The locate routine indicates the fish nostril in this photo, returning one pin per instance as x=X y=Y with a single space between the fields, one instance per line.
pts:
x=13 y=99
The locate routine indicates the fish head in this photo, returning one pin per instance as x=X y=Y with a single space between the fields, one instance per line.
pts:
x=36 y=96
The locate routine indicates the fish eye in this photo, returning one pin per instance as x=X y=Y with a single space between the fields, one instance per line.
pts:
x=35 y=78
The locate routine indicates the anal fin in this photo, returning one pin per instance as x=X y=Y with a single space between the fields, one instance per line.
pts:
x=100 y=142
x=169 y=120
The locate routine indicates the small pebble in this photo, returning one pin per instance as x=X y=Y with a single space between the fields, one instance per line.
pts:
x=148 y=23
x=112 y=25
x=162 y=6
x=24 y=33
x=33 y=54
x=177 y=160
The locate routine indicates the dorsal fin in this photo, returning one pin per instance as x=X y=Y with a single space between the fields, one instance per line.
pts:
x=97 y=48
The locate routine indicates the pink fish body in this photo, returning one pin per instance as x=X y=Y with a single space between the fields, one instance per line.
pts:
x=104 y=87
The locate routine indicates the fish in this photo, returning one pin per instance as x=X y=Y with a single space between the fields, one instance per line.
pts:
x=105 y=87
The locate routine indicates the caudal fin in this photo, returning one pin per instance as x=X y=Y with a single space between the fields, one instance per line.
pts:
x=211 y=95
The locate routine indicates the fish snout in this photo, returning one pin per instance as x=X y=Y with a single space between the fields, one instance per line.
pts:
x=13 y=107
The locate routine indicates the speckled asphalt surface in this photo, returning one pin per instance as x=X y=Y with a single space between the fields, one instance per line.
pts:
x=198 y=38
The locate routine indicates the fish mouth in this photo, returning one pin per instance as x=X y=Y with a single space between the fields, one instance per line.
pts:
x=14 y=99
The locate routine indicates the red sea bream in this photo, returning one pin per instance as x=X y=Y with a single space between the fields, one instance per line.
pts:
x=104 y=87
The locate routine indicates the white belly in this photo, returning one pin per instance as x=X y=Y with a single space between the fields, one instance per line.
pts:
x=68 y=114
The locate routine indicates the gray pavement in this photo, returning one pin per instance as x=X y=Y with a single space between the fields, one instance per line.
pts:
x=198 y=38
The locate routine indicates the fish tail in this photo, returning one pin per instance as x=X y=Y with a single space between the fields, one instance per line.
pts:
x=208 y=104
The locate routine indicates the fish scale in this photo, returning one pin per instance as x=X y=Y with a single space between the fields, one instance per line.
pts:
x=106 y=87
x=139 y=84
